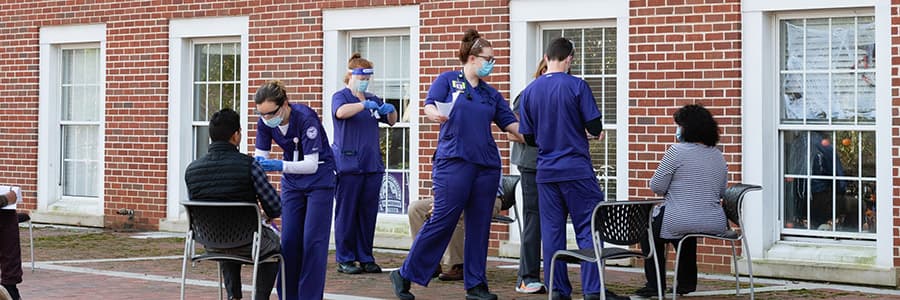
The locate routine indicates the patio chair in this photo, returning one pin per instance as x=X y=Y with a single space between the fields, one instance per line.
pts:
x=24 y=217
x=508 y=201
x=225 y=225
x=733 y=204
x=621 y=223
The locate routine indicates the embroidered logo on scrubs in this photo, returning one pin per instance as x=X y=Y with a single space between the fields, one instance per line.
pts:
x=312 y=132
x=458 y=85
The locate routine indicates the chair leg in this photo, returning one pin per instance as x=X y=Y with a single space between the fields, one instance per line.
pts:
x=281 y=275
x=675 y=280
x=749 y=264
x=31 y=242
x=737 y=279
x=184 y=265
x=550 y=282
x=601 y=268
x=256 y=247
x=221 y=284
x=659 y=278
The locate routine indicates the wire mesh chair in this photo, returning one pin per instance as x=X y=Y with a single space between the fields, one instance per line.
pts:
x=225 y=225
x=621 y=223
x=733 y=204
x=508 y=201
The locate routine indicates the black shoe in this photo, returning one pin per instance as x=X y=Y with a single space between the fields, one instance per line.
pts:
x=370 y=267
x=682 y=291
x=401 y=286
x=480 y=292
x=556 y=295
x=437 y=272
x=646 y=292
x=348 y=268
x=609 y=296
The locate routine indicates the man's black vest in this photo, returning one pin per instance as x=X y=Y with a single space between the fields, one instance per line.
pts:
x=223 y=174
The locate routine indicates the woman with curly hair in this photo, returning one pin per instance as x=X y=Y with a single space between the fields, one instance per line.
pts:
x=691 y=176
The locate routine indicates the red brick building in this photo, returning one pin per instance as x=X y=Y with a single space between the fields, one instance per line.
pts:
x=104 y=104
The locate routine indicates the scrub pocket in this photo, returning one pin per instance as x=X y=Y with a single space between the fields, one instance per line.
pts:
x=347 y=161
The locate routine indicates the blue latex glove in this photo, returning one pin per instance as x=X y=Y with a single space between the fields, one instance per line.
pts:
x=272 y=165
x=386 y=109
x=259 y=159
x=369 y=104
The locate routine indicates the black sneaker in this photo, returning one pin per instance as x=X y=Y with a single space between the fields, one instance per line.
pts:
x=556 y=295
x=370 y=267
x=609 y=296
x=646 y=292
x=401 y=286
x=681 y=291
x=348 y=268
x=480 y=292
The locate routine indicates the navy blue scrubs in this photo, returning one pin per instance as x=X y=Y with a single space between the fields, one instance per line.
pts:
x=555 y=108
x=360 y=169
x=306 y=201
x=465 y=175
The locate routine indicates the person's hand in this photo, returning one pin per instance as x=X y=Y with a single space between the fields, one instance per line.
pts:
x=272 y=165
x=369 y=104
x=430 y=211
x=386 y=108
x=436 y=116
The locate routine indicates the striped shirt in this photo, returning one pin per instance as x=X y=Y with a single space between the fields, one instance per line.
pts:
x=692 y=177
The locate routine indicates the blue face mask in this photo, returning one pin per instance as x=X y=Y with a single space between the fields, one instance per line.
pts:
x=273 y=122
x=678 y=136
x=486 y=68
x=362 y=85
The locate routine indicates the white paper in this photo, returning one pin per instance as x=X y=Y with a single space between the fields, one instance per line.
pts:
x=446 y=108
x=6 y=188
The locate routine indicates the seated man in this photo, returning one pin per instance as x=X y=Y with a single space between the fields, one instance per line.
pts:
x=10 y=250
x=419 y=211
x=224 y=174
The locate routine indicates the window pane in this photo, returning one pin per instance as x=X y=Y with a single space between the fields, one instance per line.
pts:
x=817 y=98
x=821 y=204
x=215 y=62
x=200 y=61
x=847 y=145
x=199 y=102
x=867 y=147
x=792 y=45
x=795 y=152
x=609 y=100
x=843 y=97
x=843 y=43
x=865 y=85
x=847 y=209
x=228 y=96
x=795 y=203
x=213 y=100
x=792 y=98
x=817 y=44
x=868 y=206
x=201 y=141
x=80 y=160
x=229 y=62
x=865 y=42
x=593 y=51
x=609 y=46
x=67 y=67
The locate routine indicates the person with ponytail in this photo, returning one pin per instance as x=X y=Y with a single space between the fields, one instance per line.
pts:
x=360 y=168
x=465 y=169
x=307 y=187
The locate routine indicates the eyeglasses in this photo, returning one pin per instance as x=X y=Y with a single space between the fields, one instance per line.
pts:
x=489 y=59
x=269 y=114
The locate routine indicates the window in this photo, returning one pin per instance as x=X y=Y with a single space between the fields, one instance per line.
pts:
x=595 y=62
x=79 y=121
x=391 y=82
x=827 y=126
x=216 y=85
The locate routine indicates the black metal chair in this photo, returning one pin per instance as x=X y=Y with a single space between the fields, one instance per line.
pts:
x=508 y=201
x=22 y=218
x=621 y=223
x=733 y=204
x=225 y=225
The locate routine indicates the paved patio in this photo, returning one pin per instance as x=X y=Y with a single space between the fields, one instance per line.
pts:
x=93 y=264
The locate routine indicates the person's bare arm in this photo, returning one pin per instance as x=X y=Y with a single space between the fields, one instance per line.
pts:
x=7 y=198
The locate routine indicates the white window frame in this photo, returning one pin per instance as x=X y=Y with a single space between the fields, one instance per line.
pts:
x=243 y=105
x=761 y=117
x=182 y=35
x=72 y=210
x=526 y=19
x=338 y=26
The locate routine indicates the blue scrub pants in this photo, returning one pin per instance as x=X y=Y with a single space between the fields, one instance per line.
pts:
x=458 y=186
x=578 y=199
x=306 y=227
x=355 y=212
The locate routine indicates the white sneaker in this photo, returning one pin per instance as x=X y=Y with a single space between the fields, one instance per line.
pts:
x=530 y=288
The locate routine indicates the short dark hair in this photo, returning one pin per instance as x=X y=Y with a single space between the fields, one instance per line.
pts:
x=559 y=49
x=697 y=125
x=224 y=124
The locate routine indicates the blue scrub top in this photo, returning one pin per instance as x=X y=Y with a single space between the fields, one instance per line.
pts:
x=555 y=108
x=305 y=124
x=467 y=133
x=356 y=139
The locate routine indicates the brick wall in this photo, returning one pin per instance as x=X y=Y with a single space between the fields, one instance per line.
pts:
x=683 y=52
x=895 y=125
